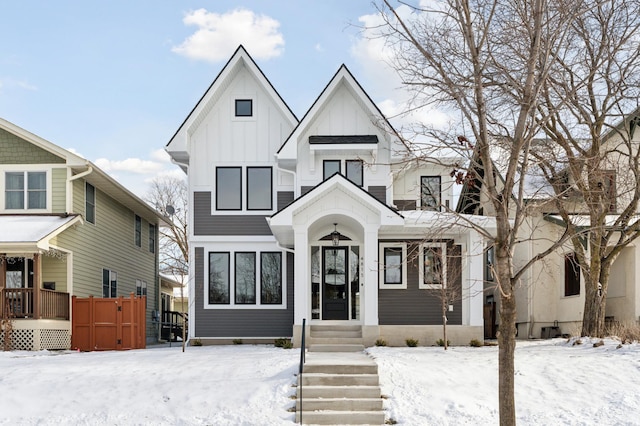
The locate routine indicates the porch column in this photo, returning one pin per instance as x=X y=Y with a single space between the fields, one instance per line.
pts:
x=37 y=283
x=474 y=288
x=301 y=275
x=370 y=303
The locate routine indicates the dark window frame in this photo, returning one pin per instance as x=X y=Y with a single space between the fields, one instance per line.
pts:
x=424 y=204
x=152 y=238
x=89 y=205
x=248 y=194
x=396 y=251
x=279 y=286
x=137 y=233
x=238 y=301
x=572 y=275
x=226 y=298
x=109 y=283
x=324 y=168
x=240 y=104
x=219 y=168
x=346 y=167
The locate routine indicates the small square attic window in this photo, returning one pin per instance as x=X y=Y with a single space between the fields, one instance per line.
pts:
x=244 y=107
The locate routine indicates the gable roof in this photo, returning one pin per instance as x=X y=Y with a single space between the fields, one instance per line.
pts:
x=91 y=173
x=26 y=233
x=177 y=145
x=342 y=76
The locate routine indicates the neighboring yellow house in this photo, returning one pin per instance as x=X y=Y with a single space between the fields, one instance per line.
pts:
x=67 y=229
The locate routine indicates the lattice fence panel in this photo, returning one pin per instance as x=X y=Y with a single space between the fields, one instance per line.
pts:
x=21 y=340
x=55 y=339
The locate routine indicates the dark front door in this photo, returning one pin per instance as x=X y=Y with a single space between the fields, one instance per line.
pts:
x=335 y=290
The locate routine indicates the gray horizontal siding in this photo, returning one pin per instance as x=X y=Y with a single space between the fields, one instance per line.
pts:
x=204 y=223
x=284 y=199
x=405 y=205
x=379 y=192
x=414 y=306
x=229 y=323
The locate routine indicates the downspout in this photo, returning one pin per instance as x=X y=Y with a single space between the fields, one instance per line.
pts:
x=295 y=177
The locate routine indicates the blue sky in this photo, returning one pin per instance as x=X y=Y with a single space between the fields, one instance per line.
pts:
x=113 y=80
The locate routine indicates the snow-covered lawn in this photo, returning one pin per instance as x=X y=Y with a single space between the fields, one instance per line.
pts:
x=556 y=383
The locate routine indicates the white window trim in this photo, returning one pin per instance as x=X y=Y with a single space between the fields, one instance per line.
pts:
x=232 y=295
x=27 y=168
x=381 y=283
x=421 y=284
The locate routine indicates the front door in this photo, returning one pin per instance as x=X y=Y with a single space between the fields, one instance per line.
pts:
x=335 y=283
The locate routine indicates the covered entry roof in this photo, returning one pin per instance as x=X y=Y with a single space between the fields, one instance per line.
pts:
x=30 y=233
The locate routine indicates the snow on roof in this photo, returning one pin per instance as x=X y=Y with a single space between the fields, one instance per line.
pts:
x=32 y=231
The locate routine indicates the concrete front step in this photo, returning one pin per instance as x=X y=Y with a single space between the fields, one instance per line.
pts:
x=342 y=417
x=339 y=392
x=322 y=379
x=353 y=334
x=341 y=404
x=336 y=347
x=341 y=368
x=335 y=340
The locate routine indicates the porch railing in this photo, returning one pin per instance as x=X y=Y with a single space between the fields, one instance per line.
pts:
x=21 y=303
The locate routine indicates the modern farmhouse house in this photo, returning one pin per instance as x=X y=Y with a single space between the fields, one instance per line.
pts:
x=313 y=219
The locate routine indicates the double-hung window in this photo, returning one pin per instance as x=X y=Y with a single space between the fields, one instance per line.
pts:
x=90 y=203
x=433 y=268
x=138 y=231
x=109 y=283
x=152 y=238
x=393 y=268
x=430 y=190
x=26 y=190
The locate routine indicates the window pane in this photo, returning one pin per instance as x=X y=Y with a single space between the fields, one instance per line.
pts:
x=138 y=231
x=37 y=200
x=244 y=107
x=90 y=203
x=430 y=192
x=433 y=265
x=330 y=168
x=152 y=238
x=37 y=180
x=228 y=188
x=218 y=278
x=354 y=171
x=571 y=275
x=271 y=278
x=105 y=283
x=114 y=284
x=259 y=189
x=14 y=190
x=245 y=278
x=393 y=265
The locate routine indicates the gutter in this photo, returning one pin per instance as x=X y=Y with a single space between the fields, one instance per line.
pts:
x=69 y=194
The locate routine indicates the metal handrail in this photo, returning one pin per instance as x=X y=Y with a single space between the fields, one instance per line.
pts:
x=302 y=360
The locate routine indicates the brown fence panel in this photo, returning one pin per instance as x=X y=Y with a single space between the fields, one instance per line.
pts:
x=102 y=324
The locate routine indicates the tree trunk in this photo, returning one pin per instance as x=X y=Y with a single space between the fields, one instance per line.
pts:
x=595 y=302
x=444 y=326
x=506 y=354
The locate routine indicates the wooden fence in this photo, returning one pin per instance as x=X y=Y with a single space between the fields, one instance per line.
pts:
x=104 y=324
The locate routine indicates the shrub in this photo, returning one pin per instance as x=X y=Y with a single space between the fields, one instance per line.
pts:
x=283 y=342
x=381 y=342
x=196 y=342
x=412 y=343
x=475 y=343
x=440 y=342
x=626 y=332
x=237 y=341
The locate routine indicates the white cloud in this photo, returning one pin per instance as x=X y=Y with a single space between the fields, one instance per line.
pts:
x=218 y=35
x=131 y=165
x=161 y=156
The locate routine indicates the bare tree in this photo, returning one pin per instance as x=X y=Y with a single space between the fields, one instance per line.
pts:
x=170 y=196
x=589 y=155
x=486 y=60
